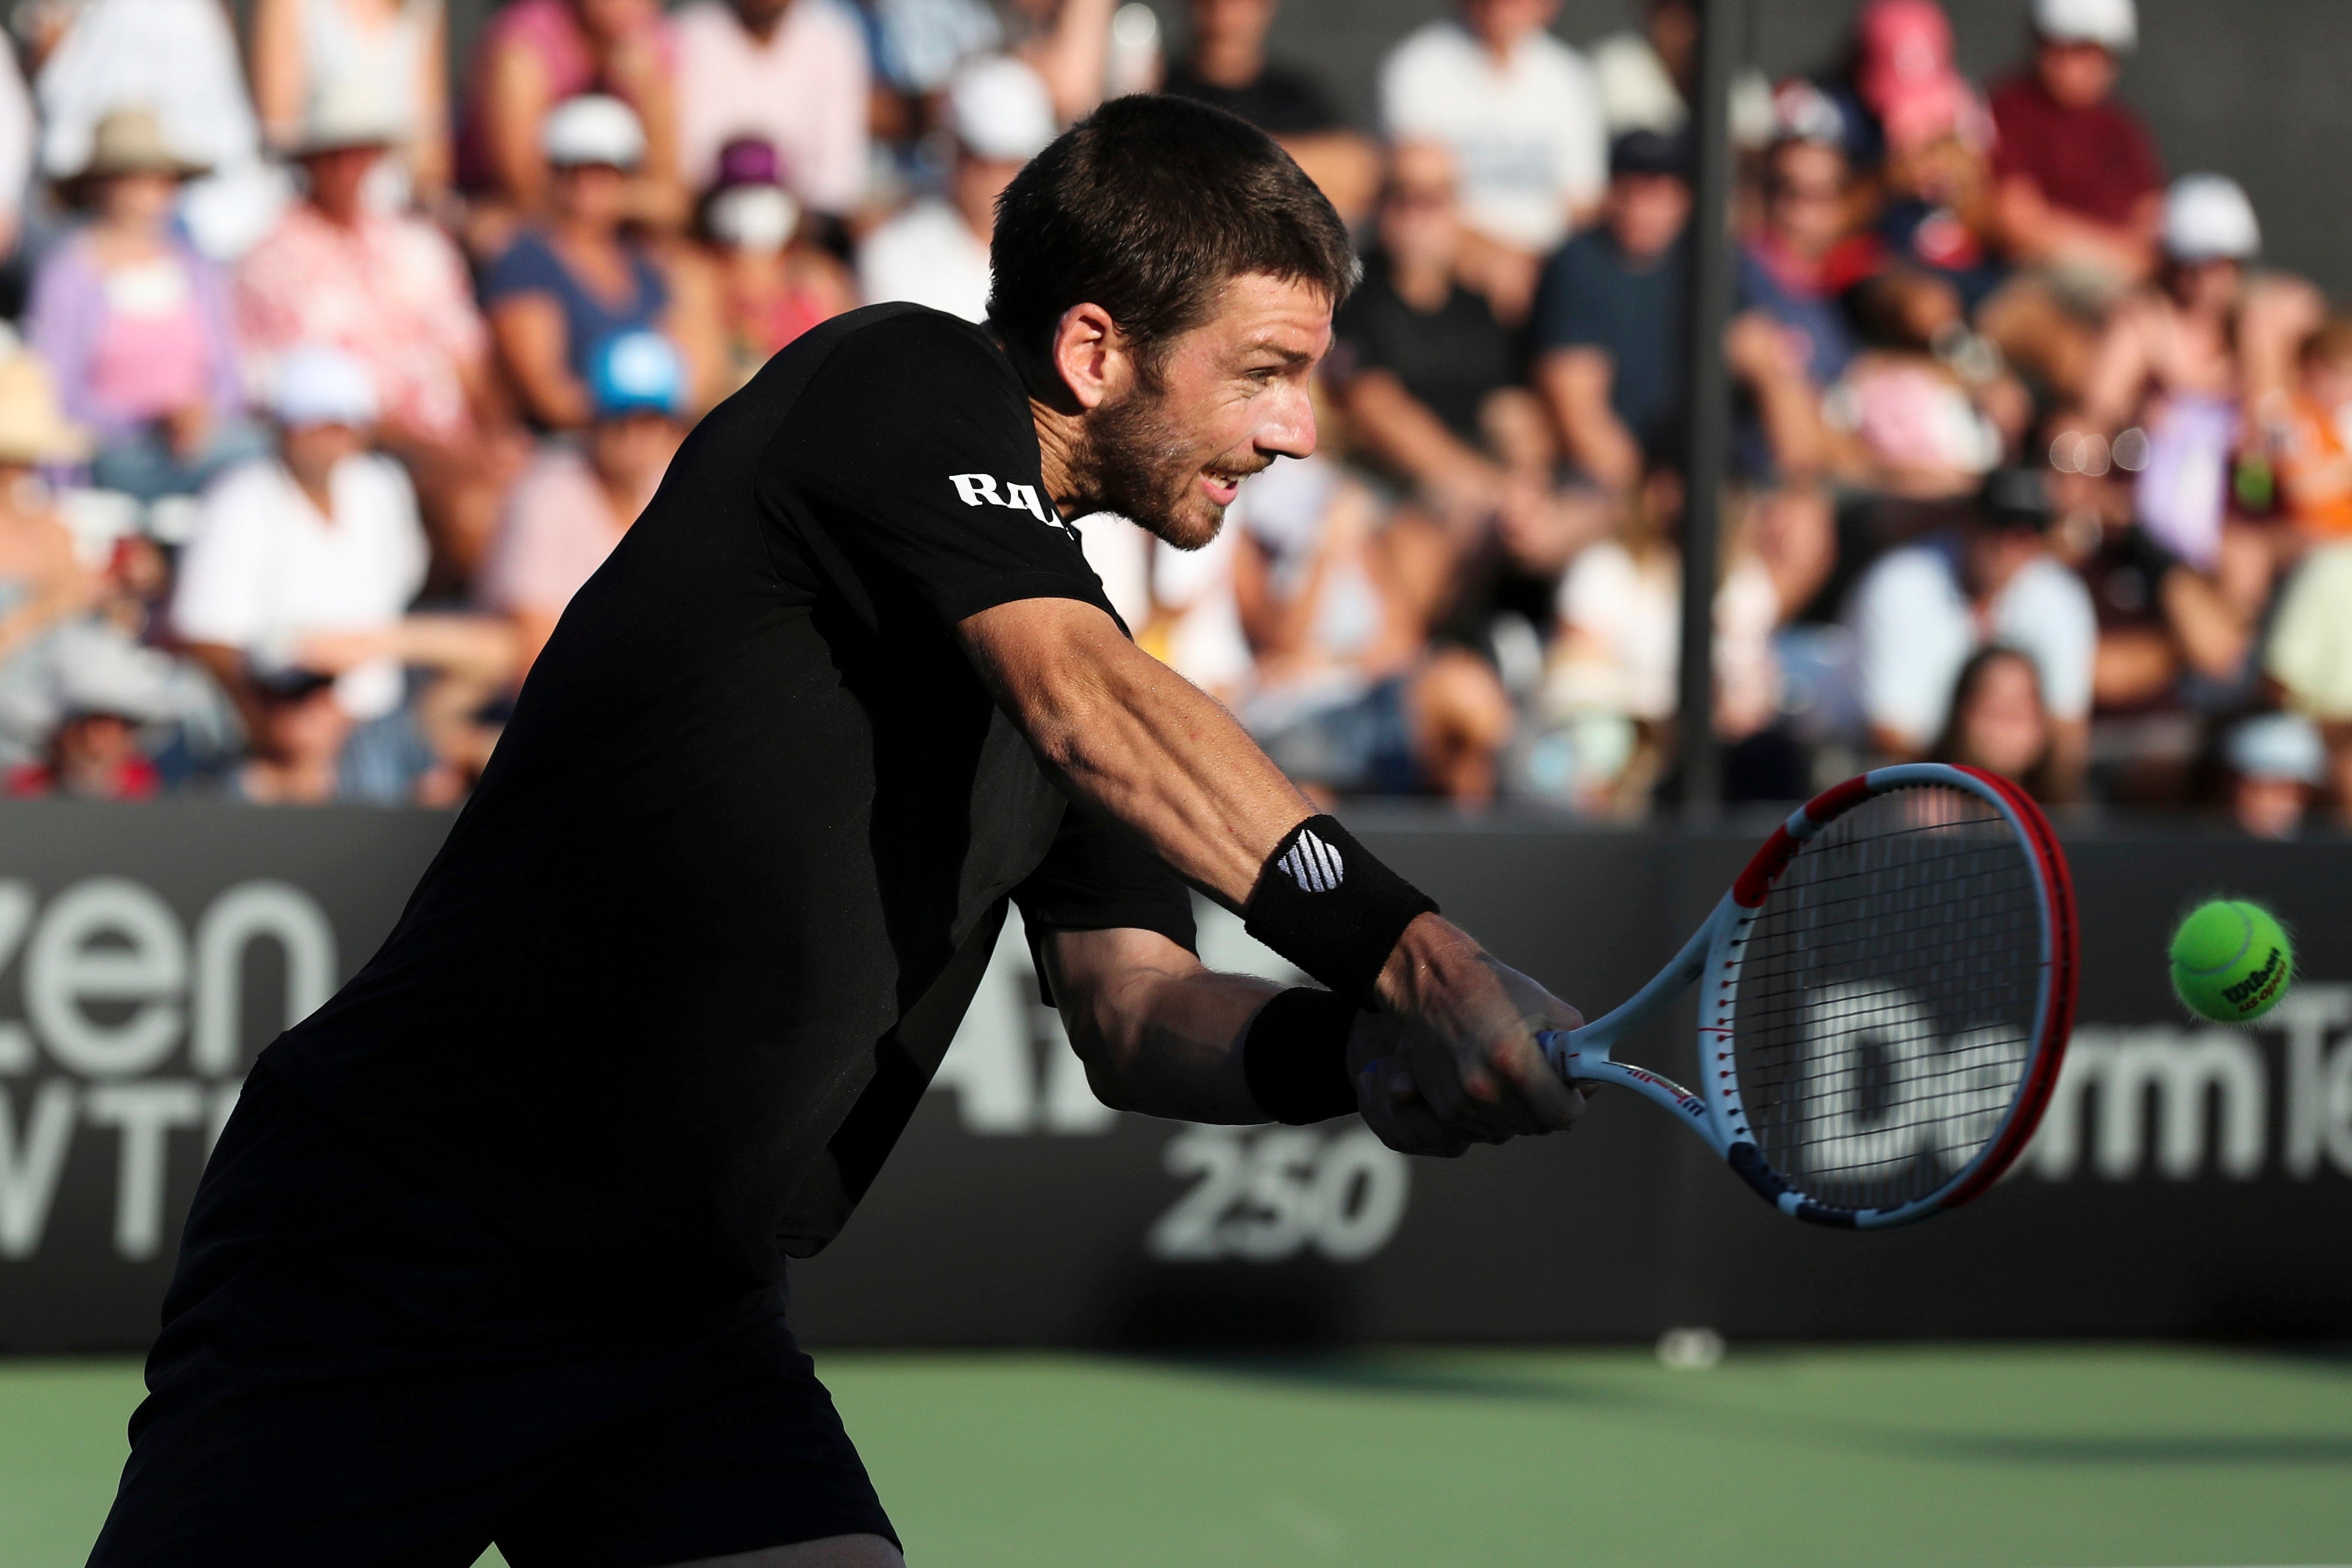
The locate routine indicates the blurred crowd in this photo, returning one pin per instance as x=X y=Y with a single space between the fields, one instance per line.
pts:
x=330 y=383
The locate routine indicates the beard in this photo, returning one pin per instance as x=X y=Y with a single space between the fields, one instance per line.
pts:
x=1140 y=464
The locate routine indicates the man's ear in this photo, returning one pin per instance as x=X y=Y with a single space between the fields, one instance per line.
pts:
x=1090 y=356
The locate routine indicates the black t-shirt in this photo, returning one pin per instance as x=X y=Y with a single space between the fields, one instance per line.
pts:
x=1449 y=359
x=1280 y=103
x=697 y=944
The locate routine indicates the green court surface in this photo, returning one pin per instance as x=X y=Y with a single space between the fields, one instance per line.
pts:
x=2045 y=1457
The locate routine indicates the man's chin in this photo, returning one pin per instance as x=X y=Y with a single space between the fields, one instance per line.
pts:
x=1190 y=527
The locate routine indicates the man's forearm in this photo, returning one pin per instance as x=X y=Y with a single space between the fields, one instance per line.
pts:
x=1138 y=740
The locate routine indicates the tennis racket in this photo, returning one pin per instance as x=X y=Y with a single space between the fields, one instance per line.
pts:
x=1884 y=997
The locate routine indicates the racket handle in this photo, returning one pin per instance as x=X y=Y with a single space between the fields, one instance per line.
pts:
x=1559 y=1049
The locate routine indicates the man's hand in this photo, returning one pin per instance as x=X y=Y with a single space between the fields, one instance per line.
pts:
x=1464 y=1066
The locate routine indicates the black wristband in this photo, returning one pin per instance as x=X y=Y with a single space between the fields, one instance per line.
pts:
x=1324 y=903
x=1294 y=1057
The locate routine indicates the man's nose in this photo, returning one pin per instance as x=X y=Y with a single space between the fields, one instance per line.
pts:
x=1290 y=433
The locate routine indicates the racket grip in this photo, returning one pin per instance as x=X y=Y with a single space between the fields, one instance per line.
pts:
x=1559 y=1049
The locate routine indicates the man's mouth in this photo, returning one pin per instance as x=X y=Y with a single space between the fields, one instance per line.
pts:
x=1220 y=487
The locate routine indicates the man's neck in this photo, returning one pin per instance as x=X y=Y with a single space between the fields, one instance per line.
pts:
x=1059 y=440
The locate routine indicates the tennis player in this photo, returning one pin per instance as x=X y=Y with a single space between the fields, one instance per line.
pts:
x=493 y=1247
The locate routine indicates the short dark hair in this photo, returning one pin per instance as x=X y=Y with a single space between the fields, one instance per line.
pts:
x=1148 y=207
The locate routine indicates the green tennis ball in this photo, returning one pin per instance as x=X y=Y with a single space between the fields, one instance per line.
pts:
x=2231 y=961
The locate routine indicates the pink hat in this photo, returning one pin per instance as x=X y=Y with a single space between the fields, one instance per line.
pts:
x=1903 y=71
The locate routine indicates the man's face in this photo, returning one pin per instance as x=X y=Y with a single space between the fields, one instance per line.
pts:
x=2076 y=74
x=338 y=177
x=1420 y=215
x=1807 y=196
x=632 y=453
x=1500 y=24
x=1646 y=213
x=1229 y=397
x=1232 y=24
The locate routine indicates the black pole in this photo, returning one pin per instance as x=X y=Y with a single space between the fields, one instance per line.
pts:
x=1722 y=31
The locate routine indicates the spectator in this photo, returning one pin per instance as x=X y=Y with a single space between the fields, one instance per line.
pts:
x=1520 y=112
x=1996 y=721
x=1228 y=68
x=135 y=324
x=793 y=73
x=1618 y=651
x=538 y=55
x=41 y=582
x=1921 y=610
x=390 y=289
x=2167 y=633
x=92 y=706
x=917 y=45
x=771 y=283
x=935 y=253
x=1068 y=44
x=1935 y=215
x=178 y=58
x=1645 y=77
x=2309 y=434
x=93 y=754
x=2276 y=765
x=2079 y=181
x=560 y=290
x=1785 y=267
x=18 y=132
x=2186 y=347
x=308 y=53
x=1419 y=362
x=1607 y=322
x=322 y=536
x=573 y=505
x=2309 y=655
x=1918 y=424
x=1348 y=697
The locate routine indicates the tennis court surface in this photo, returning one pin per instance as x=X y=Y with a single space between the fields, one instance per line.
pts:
x=2039 y=1456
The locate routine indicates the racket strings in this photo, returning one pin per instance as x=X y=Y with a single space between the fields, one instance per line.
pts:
x=1884 y=1011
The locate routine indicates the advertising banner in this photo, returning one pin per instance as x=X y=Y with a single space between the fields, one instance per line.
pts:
x=2188 y=1178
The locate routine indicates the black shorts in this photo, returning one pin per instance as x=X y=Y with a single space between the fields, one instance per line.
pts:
x=353 y=1372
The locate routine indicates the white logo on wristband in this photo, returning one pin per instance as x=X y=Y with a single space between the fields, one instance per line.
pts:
x=1314 y=865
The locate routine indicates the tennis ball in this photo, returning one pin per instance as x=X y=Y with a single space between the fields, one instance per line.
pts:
x=2231 y=961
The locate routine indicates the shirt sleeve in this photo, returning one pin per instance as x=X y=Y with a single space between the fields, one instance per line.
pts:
x=1567 y=313
x=526 y=267
x=1098 y=875
x=1910 y=641
x=912 y=453
x=219 y=595
x=1580 y=145
x=2049 y=614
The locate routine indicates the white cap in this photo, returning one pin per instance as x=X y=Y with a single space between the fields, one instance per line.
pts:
x=2277 y=746
x=316 y=384
x=2113 y=25
x=2207 y=217
x=757 y=218
x=592 y=129
x=1000 y=109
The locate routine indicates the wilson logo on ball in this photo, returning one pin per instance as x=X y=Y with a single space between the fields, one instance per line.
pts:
x=2255 y=986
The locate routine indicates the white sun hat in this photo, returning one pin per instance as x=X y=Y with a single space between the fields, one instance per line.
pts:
x=2113 y=25
x=2208 y=217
